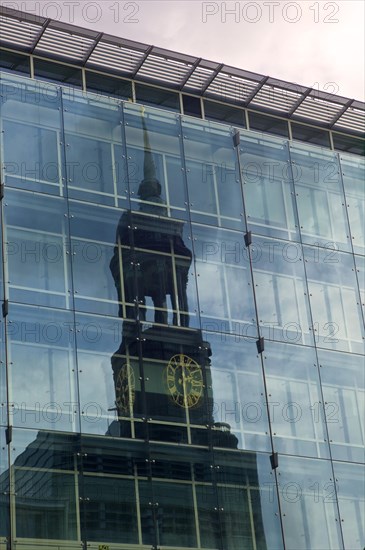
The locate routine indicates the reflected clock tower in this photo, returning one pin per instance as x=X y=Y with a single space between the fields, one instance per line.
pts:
x=162 y=367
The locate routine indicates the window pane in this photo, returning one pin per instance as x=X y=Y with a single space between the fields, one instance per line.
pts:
x=93 y=230
x=175 y=366
x=349 y=144
x=310 y=134
x=93 y=135
x=209 y=526
x=149 y=95
x=31 y=135
x=353 y=174
x=192 y=106
x=109 y=495
x=268 y=124
x=108 y=85
x=268 y=187
x=247 y=501
x=155 y=175
x=360 y=270
x=3 y=379
x=37 y=249
x=239 y=411
x=308 y=504
x=343 y=382
x=279 y=279
x=296 y=410
x=109 y=378
x=110 y=509
x=147 y=510
x=43 y=383
x=320 y=199
x=222 y=264
x=14 y=62
x=334 y=299
x=214 y=188
x=176 y=521
x=224 y=113
x=46 y=505
x=150 y=266
x=351 y=500
x=56 y=72
x=4 y=488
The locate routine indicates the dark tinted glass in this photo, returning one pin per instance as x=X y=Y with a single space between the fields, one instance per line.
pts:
x=110 y=513
x=269 y=124
x=155 y=96
x=310 y=134
x=108 y=85
x=192 y=106
x=349 y=144
x=56 y=72
x=14 y=62
x=224 y=113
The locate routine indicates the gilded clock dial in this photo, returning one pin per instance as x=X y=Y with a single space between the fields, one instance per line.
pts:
x=184 y=380
x=125 y=389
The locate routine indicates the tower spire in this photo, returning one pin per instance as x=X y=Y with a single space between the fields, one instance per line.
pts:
x=149 y=167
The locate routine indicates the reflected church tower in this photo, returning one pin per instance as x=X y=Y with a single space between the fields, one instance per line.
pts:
x=148 y=244
x=162 y=367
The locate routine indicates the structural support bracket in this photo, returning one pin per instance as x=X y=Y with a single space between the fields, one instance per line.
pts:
x=236 y=138
x=260 y=344
x=9 y=435
x=274 y=459
x=5 y=307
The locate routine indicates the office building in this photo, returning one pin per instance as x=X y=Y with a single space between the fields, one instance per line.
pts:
x=182 y=335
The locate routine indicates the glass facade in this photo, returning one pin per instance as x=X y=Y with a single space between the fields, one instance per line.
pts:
x=188 y=300
x=103 y=79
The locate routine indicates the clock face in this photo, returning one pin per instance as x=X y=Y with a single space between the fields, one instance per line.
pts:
x=184 y=380
x=125 y=389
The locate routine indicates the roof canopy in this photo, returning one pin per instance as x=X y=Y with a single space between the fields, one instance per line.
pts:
x=84 y=47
